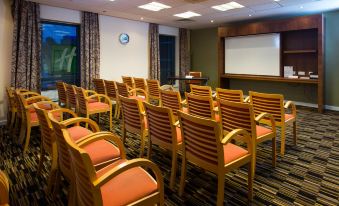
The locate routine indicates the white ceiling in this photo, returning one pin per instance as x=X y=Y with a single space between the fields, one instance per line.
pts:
x=256 y=8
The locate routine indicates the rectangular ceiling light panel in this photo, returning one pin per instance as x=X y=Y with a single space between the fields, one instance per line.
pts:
x=187 y=14
x=228 y=6
x=154 y=6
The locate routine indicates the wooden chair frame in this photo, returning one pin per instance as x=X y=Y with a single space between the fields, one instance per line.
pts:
x=12 y=108
x=27 y=106
x=278 y=114
x=83 y=109
x=220 y=169
x=201 y=90
x=236 y=112
x=111 y=92
x=97 y=183
x=129 y=125
x=156 y=124
x=100 y=87
x=171 y=99
x=231 y=95
x=72 y=101
x=129 y=81
x=48 y=143
x=194 y=107
x=62 y=94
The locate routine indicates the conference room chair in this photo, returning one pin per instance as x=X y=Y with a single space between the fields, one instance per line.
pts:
x=232 y=95
x=99 y=85
x=125 y=182
x=48 y=143
x=205 y=91
x=202 y=106
x=101 y=152
x=126 y=91
x=129 y=81
x=153 y=89
x=274 y=105
x=134 y=120
x=236 y=115
x=4 y=189
x=111 y=92
x=12 y=108
x=62 y=93
x=172 y=99
x=94 y=104
x=29 y=116
x=204 y=145
x=72 y=102
x=140 y=83
x=164 y=131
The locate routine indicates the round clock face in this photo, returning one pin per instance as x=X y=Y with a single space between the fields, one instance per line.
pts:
x=124 y=38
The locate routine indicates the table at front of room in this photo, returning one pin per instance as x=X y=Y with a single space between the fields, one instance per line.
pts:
x=172 y=79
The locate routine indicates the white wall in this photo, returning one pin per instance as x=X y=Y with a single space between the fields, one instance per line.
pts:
x=6 y=29
x=59 y=14
x=116 y=59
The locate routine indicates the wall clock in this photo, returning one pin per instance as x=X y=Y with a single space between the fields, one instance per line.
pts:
x=124 y=38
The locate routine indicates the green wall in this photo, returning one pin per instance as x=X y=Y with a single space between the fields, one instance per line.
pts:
x=204 y=58
x=204 y=55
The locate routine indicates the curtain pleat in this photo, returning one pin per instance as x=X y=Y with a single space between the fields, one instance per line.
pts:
x=154 y=71
x=90 y=49
x=26 y=49
x=184 y=54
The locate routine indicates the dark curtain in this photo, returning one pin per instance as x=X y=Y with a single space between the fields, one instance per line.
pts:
x=184 y=53
x=153 y=39
x=26 y=45
x=90 y=49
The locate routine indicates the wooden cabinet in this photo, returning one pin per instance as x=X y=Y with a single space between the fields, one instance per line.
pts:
x=301 y=47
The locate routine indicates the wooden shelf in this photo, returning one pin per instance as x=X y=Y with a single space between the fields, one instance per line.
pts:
x=299 y=51
x=269 y=78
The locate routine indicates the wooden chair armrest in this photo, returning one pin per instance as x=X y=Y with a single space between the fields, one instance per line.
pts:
x=103 y=136
x=183 y=102
x=100 y=96
x=177 y=124
x=64 y=110
x=90 y=92
x=93 y=125
x=238 y=132
x=36 y=99
x=247 y=99
x=22 y=90
x=138 y=162
x=266 y=115
x=214 y=96
x=290 y=104
x=53 y=104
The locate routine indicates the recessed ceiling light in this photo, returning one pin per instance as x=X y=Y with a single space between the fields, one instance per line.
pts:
x=111 y=0
x=250 y=15
x=228 y=6
x=212 y=21
x=301 y=7
x=142 y=18
x=276 y=0
x=154 y=6
x=187 y=14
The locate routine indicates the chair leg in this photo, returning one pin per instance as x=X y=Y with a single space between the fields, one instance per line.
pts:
x=149 y=151
x=282 y=141
x=21 y=138
x=251 y=173
x=254 y=156
x=142 y=147
x=13 y=117
x=53 y=173
x=123 y=133
x=28 y=137
x=274 y=151
x=110 y=120
x=221 y=189
x=174 y=169
x=183 y=175
x=87 y=116
x=72 y=194
x=42 y=159
x=295 y=132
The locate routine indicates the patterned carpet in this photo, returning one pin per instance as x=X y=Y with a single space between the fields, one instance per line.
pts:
x=307 y=175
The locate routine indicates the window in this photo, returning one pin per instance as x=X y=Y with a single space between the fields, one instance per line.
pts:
x=167 y=57
x=59 y=55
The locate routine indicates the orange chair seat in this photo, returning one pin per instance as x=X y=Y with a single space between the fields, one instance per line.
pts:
x=102 y=151
x=127 y=187
x=34 y=116
x=215 y=103
x=233 y=152
x=217 y=117
x=78 y=132
x=261 y=131
x=94 y=106
x=92 y=100
x=288 y=117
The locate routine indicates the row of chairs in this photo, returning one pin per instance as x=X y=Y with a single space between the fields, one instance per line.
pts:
x=94 y=162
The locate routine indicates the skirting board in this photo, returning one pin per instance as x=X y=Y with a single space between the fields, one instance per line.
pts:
x=327 y=107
